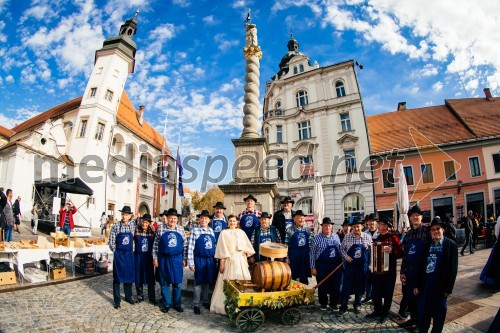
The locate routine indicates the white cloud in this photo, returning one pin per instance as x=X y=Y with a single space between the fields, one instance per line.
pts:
x=234 y=84
x=210 y=20
x=225 y=44
x=438 y=86
x=181 y=3
x=285 y=4
x=9 y=79
x=19 y=116
x=242 y=3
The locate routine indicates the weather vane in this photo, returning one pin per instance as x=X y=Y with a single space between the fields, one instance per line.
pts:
x=136 y=13
x=247 y=20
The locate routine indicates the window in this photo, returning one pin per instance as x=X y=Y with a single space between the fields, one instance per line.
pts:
x=350 y=160
x=346 y=122
x=408 y=171
x=354 y=205
x=83 y=128
x=280 y=169
x=267 y=134
x=93 y=91
x=301 y=97
x=278 y=109
x=475 y=170
x=496 y=162
x=339 y=87
x=279 y=133
x=301 y=67
x=449 y=170
x=99 y=133
x=109 y=95
x=388 y=178
x=427 y=176
x=305 y=205
x=295 y=70
x=306 y=166
x=304 y=130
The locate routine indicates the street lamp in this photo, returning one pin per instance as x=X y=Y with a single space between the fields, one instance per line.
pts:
x=459 y=185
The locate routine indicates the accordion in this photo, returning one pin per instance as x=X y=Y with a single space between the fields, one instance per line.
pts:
x=380 y=259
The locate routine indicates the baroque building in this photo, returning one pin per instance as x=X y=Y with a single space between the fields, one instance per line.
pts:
x=314 y=121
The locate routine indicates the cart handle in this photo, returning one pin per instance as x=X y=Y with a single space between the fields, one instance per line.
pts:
x=331 y=273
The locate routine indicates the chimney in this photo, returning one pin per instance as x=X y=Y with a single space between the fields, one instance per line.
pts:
x=487 y=93
x=401 y=106
x=141 y=114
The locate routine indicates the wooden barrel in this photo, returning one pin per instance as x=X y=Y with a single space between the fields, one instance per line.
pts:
x=271 y=275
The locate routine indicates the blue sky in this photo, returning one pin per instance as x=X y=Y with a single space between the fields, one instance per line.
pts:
x=190 y=65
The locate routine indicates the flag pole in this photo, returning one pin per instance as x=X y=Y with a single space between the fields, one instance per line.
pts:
x=176 y=171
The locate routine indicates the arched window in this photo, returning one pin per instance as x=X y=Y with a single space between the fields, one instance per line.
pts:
x=295 y=70
x=305 y=205
x=301 y=68
x=266 y=131
x=301 y=97
x=353 y=205
x=339 y=87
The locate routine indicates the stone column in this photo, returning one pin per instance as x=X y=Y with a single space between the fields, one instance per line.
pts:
x=253 y=54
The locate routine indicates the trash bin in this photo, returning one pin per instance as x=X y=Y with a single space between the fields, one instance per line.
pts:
x=460 y=237
x=489 y=237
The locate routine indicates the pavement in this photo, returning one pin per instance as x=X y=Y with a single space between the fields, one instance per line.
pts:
x=85 y=305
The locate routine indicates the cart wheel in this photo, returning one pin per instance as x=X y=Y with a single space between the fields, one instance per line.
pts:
x=291 y=316
x=249 y=320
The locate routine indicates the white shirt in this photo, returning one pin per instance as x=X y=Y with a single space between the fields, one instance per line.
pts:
x=497 y=228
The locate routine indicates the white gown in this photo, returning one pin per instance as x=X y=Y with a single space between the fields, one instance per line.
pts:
x=232 y=245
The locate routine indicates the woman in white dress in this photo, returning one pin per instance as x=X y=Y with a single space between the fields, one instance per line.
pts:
x=233 y=248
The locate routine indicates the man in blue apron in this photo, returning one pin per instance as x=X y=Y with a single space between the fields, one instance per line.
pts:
x=437 y=278
x=413 y=245
x=325 y=257
x=249 y=218
x=356 y=252
x=266 y=233
x=284 y=217
x=384 y=281
x=143 y=256
x=298 y=238
x=121 y=240
x=219 y=221
x=169 y=256
x=200 y=256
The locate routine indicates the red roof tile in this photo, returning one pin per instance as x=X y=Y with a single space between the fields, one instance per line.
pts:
x=391 y=130
x=5 y=132
x=481 y=115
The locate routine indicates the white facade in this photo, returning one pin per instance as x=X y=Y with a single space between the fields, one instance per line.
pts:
x=490 y=153
x=100 y=138
x=328 y=125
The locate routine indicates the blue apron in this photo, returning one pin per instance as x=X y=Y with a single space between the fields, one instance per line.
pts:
x=123 y=260
x=298 y=254
x=144 y=269
x=170 y=262
x=328 y=260
x=357 y=270
x=218 y=226
x=248 y=224
x=204 y=251
x=414 y=251
x=432 y=299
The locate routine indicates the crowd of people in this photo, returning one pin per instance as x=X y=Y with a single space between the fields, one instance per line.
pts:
x=223 y=247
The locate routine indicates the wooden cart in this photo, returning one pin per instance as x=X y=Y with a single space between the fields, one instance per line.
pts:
x=245 y=306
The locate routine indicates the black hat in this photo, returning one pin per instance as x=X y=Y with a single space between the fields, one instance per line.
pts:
x=266 y=214
x=346 y=221
x=126 y=210
x=171 y=211
x=203 y=213
x=287 y=199
x=147 y=217
x=219 y=205
x=437 y=221
x=299 y=212
x=371 y=216
x=415 y=209
x=356 y=220
x=250 y=197
x=386 y=220
x=327 y=220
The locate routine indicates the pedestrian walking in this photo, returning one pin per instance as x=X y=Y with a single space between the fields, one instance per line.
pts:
x=16 y=210
x=34 y=218
x=8 y=215
x=467 y=224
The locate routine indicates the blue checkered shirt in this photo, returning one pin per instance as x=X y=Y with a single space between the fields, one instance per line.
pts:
x=319 y=243
x=116 y=229
x=350 y=240
x=195 y=233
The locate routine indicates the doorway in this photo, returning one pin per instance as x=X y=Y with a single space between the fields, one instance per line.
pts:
x=442 y=207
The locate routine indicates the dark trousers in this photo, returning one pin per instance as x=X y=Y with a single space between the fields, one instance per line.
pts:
x=436 y=309
x=369 y=283
x=151 y=292
x=403 y=306
x=127 y=287
x=468 y=242
x=329 y=287
x=383 y=289
x=354 y=283
x=412 y=302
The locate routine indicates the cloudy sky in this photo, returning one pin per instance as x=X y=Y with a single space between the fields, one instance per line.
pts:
x=189 y=62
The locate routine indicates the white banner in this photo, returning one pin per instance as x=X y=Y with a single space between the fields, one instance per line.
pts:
x=81 y=232
x=56 y=205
